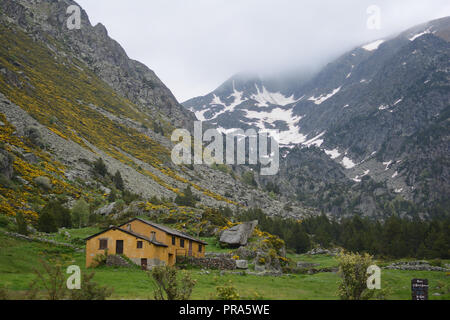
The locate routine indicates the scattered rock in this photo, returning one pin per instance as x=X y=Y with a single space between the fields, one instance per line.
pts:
x=30 y=158
x=304 y=265
x=245 y=253
x=332 y=252
x=415 y=265
x=105 y=190
x=242 y=264
x=43 y=182
x=106 y=210
x=260 y=268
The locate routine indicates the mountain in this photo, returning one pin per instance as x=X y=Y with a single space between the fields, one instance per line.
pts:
x=71 y=97
x=380 y=113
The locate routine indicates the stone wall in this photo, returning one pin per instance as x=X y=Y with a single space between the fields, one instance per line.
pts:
x=221 y=263
x=416 y=266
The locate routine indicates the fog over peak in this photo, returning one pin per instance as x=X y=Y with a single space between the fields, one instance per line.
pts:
x=194 y=46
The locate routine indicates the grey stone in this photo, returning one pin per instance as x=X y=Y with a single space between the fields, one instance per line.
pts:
x=260 y=268
x=43 y=182
x=31 y=158
x=105 y=190
x=242 y=264
x=302 y=265
x=238 y=235
x=106 y=210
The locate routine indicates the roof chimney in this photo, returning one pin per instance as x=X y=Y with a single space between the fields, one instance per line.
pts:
x=153 y=236
x=129 y=227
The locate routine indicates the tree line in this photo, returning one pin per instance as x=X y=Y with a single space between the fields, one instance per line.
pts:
x=395 y=237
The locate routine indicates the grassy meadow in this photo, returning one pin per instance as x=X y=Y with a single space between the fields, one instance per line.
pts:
x=18 y=258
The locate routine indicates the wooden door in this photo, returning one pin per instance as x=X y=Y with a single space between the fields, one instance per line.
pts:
x=190 y=248
x=119 y=246
x=144 y=264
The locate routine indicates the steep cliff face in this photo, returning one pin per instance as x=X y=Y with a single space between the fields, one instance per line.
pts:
x=103 y=55
x=380 y=112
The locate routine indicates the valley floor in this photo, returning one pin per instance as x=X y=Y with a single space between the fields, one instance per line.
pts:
x=19 y=257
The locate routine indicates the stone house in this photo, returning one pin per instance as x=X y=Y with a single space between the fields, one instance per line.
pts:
x=145 y=243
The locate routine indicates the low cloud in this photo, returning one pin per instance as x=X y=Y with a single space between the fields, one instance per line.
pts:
x=194 y=46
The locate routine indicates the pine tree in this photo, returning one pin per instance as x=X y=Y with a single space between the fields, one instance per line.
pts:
x=118 y=181
x=100 y=167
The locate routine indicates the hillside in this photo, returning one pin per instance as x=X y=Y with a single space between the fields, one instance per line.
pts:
x=70 y=97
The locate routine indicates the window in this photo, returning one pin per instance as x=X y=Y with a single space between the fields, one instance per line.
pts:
x=182 y=243
x=200 y=248
x=139 y=244
x=174 y=240
x=103 y=244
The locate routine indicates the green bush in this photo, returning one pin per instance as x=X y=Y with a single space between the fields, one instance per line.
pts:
x=227 y=292
x=353 y=272
x=249 y=178
x=170 y=285
x=4 y=221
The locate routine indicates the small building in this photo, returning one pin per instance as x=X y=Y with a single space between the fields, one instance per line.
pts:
x=145 y=243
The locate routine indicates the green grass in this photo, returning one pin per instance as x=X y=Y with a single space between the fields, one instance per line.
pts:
x=18 y=258
x=213 y=245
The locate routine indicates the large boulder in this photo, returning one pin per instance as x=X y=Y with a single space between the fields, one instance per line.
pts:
x=238 y=235
x=43 y=182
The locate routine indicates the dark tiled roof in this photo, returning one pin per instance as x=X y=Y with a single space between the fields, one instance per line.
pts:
x=167 y=230
x=134 y=234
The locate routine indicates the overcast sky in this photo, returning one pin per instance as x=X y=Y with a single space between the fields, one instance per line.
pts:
x=195 y=45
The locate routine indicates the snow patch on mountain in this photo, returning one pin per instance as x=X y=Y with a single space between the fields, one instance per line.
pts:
x=316 y=141
x=373 y=45
x=287 y=137
x=348 y=163
x=334 y=154
x=265 y=97
x=323 y=98
x=418 y=35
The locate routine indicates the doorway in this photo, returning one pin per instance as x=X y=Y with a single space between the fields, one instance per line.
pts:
x=144 y=264
x=190 y=248
x=119 y=246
